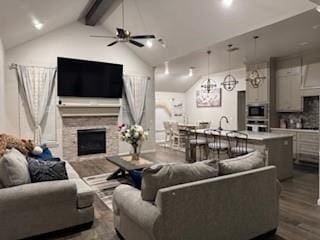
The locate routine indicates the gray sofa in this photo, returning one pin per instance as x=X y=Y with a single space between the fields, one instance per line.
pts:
x=238 y=206
x=37 y=208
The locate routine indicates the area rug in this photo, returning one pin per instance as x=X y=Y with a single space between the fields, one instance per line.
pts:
x=103 y=187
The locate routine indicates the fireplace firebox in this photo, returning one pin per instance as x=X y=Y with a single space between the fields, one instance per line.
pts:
x=91 y=141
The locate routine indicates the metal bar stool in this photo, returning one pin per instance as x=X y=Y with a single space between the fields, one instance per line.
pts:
x=238 y=144
x=214 y=142
x=195 y=142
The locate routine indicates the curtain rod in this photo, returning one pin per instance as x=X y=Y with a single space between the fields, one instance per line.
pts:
x=137 y=75
x=14 y=66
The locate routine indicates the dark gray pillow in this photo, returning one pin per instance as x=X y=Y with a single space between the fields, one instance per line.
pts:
x=41 y=171
x=161 y=176
x=243 y=163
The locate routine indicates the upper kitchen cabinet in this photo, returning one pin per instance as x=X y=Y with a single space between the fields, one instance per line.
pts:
x=260 y=94
x=288 y=85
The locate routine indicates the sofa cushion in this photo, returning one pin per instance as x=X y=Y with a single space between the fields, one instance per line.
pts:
x=243 y=163
x=161 y=176
x=85 y=194
x=14 y=169
x=41 y=171
x=72 y=174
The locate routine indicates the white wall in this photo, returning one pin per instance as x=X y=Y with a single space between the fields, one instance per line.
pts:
x=229 y=101
x=2 y=86
x=73 y=41
x=165 y=102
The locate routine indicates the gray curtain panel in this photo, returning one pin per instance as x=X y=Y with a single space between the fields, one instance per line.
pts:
x=36 y=86
x=135 y=96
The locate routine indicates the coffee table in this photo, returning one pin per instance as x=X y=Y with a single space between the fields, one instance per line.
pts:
x=125 y=165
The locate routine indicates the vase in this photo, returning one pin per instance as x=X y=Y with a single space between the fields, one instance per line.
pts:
x=135 y=156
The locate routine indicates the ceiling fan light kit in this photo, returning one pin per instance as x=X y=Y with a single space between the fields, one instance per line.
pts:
x=229 y=82
x=254 y=77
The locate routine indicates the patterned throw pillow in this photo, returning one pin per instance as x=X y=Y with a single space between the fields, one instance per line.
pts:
x=41 y=171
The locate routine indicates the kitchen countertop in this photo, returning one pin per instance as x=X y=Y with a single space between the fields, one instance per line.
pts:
x=296 y=130
x=258 y=136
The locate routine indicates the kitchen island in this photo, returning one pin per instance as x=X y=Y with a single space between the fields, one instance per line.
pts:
x=277 y=146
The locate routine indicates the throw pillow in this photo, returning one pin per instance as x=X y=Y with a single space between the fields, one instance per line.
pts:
x=45 y=155
x=14 y=169
x=8 y=142
x=136 y=177
x=41 y=171
x=243 y=163
x=161 y=176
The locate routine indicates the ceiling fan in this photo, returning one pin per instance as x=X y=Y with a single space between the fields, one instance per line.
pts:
x=124 y=35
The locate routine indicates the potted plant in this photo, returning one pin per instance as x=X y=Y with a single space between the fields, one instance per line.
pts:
x=134 y=135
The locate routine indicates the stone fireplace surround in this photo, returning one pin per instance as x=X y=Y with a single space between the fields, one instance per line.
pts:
x=76 y=118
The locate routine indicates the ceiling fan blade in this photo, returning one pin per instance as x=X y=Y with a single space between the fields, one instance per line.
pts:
x=143 y=36
x=96 y=36
x=136 y=43
x=111 y=44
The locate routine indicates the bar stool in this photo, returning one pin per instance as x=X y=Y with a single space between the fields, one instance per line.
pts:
x=196 y=143
x=168 y=133
x=238 y=144
x=215 y=144
x=177 y=135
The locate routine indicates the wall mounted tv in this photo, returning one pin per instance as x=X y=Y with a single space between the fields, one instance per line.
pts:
x=81 y=78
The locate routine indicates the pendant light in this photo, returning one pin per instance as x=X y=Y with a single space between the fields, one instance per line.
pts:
x=254 y=77
x=208 y=85
x=229 y=83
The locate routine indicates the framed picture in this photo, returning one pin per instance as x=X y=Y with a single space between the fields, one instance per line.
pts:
x=211 y=99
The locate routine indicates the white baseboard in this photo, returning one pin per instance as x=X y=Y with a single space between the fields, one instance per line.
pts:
x=144 y=151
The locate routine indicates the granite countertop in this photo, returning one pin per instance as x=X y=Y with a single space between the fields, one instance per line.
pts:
x=258 y=136
x=296 y=130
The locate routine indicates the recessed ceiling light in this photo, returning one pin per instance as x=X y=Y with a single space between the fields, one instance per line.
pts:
x=303 y=44
x=227 y=3
x=149 y=43
x=318 y=8
x=166 y=68
x=191 y=71
x=37 y=24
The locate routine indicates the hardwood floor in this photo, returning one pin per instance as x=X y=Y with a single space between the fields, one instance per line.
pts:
x=299 y=215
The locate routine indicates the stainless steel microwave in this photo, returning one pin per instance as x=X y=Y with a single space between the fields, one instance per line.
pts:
x=257 y=111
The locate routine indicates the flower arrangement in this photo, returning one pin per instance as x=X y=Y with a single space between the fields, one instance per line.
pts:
x=134 y=135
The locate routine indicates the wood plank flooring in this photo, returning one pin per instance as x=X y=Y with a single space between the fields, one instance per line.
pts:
x=299 y=215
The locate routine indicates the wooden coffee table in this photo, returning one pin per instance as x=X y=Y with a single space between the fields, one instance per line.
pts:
x=125 y=165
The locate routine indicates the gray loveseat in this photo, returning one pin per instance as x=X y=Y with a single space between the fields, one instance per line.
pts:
x=239 y=206
x=37 y=208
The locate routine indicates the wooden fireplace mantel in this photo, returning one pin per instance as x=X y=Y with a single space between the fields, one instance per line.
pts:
x=81 y=110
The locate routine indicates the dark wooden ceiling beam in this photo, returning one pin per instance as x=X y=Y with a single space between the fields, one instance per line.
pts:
x=316 y=1
x=99 y=9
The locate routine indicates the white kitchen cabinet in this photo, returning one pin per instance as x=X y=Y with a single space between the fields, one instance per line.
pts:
x=288 y=86
x=305 y=144
x=308 y=147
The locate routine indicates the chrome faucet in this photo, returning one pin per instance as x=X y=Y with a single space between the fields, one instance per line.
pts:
x=223 y=117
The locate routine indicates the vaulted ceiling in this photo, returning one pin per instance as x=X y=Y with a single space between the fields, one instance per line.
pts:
x=189 y=25
x=188 y=28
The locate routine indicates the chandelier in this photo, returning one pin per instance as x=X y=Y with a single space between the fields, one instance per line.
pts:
x=229 y=82
x=208 y=85
x=254 y=77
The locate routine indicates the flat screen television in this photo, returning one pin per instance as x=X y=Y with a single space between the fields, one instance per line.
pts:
x=82 y=78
